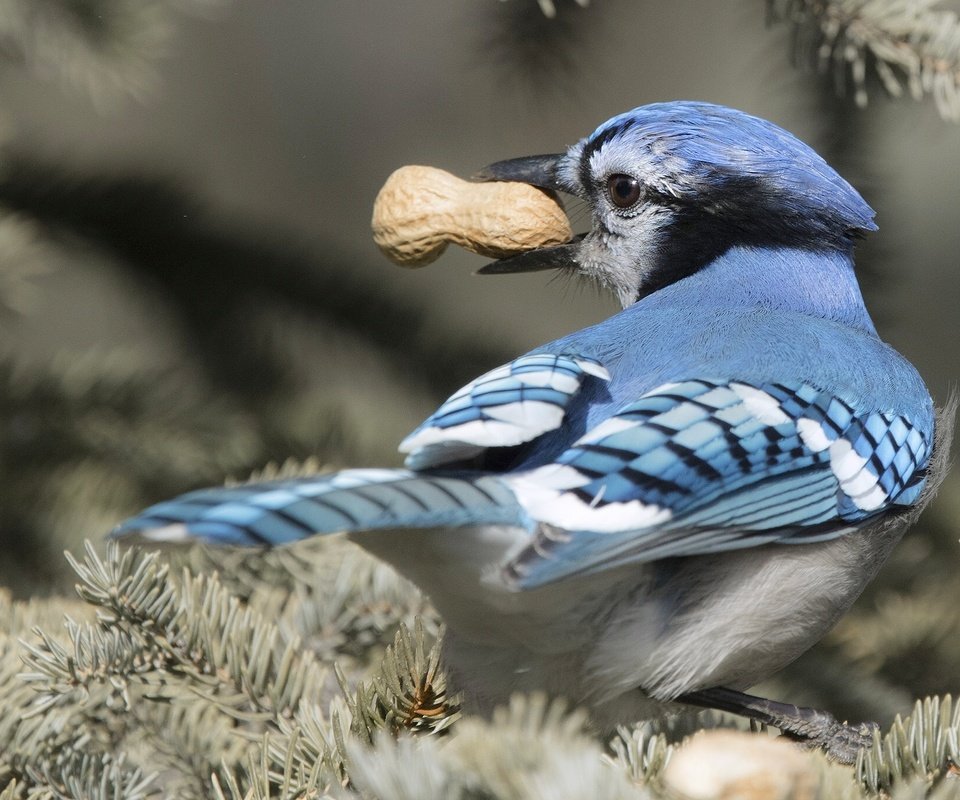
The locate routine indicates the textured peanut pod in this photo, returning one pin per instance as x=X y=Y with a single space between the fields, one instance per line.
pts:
x=735 y=765
x=420 y=209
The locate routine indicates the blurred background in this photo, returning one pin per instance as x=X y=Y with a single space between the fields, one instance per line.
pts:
x=189 y=289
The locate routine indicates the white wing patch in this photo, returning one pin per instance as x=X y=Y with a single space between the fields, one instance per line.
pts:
x=173 y=534
x=857 y=482
x=548 y=495
x=479 y=434
x=764 y=407
x=813 y=435
x=507 y=406
x=592 y=367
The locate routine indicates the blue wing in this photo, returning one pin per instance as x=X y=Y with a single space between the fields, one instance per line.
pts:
x=705 y=466
x=508 y=406
x=285 y=511
x=511 y=405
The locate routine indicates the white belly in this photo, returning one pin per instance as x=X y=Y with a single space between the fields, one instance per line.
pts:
x=623 y=643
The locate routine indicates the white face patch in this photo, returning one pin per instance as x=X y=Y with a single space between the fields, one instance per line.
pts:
x=621 y=252
x=624 y=245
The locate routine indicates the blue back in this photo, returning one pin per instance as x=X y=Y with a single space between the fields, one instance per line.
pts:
x=760 y=316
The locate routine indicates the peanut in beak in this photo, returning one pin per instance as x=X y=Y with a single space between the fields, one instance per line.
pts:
x=420 y=210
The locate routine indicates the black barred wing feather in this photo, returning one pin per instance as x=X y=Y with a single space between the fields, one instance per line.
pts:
x=507 y=406
x=280 y=512
x=705 y=466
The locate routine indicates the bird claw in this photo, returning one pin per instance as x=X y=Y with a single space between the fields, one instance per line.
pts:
x=841 y=742
x=810 y=728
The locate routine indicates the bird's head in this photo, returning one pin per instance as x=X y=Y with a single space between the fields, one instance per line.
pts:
x=671 y=186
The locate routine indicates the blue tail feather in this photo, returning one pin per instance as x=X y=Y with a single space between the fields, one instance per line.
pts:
x=285 y=511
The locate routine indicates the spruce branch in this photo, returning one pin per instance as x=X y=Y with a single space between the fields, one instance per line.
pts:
x=361 y=604
x=549 y=9
x=25 y=258
x=409 y=694
x=187 y=742
x=532 y=748
x=160 y=639
x=107 y=48
x=232 y=654
x=342 y=603
x=81 y=776
x=90 y=657
x=163 y=681
x=925 y=744
x=641 y=754
x=46 y=734
x=911 y=636
x=912 y=44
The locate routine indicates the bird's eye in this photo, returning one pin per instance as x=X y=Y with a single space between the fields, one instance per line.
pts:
x=624 y=190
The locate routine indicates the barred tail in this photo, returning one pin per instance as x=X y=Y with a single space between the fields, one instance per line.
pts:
x=285 y=511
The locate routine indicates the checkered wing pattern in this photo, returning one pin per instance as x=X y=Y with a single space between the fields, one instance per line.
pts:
x=704 y=466
x=508 y=406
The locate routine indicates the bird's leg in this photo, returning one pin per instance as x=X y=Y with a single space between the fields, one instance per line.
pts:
x=813 y=728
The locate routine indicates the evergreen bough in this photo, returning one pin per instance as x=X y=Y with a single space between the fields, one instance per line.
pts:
x=160 y=682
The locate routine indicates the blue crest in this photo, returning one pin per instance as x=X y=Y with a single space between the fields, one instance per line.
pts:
x=697 y=151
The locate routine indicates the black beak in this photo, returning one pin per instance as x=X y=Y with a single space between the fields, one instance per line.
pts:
x=538 y=171
x=562 y=256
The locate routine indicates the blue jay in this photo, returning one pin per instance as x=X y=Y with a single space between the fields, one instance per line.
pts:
x=673 y=504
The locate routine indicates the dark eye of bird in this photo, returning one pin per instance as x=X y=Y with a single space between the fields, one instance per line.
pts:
x=624 y=190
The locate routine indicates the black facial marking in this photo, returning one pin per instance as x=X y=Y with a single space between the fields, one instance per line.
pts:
x=595 y=144
x=711 y=213
x=739 y=211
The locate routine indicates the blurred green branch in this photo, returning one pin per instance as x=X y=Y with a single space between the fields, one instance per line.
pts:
x=214 y=278
x=106 y=48
x=912 y=43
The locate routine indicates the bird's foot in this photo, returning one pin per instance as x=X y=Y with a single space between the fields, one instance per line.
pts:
x=839 y=740
x=810 y=727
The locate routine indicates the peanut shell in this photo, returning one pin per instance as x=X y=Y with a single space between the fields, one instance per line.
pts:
x=735 y=765
x=420 y=210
